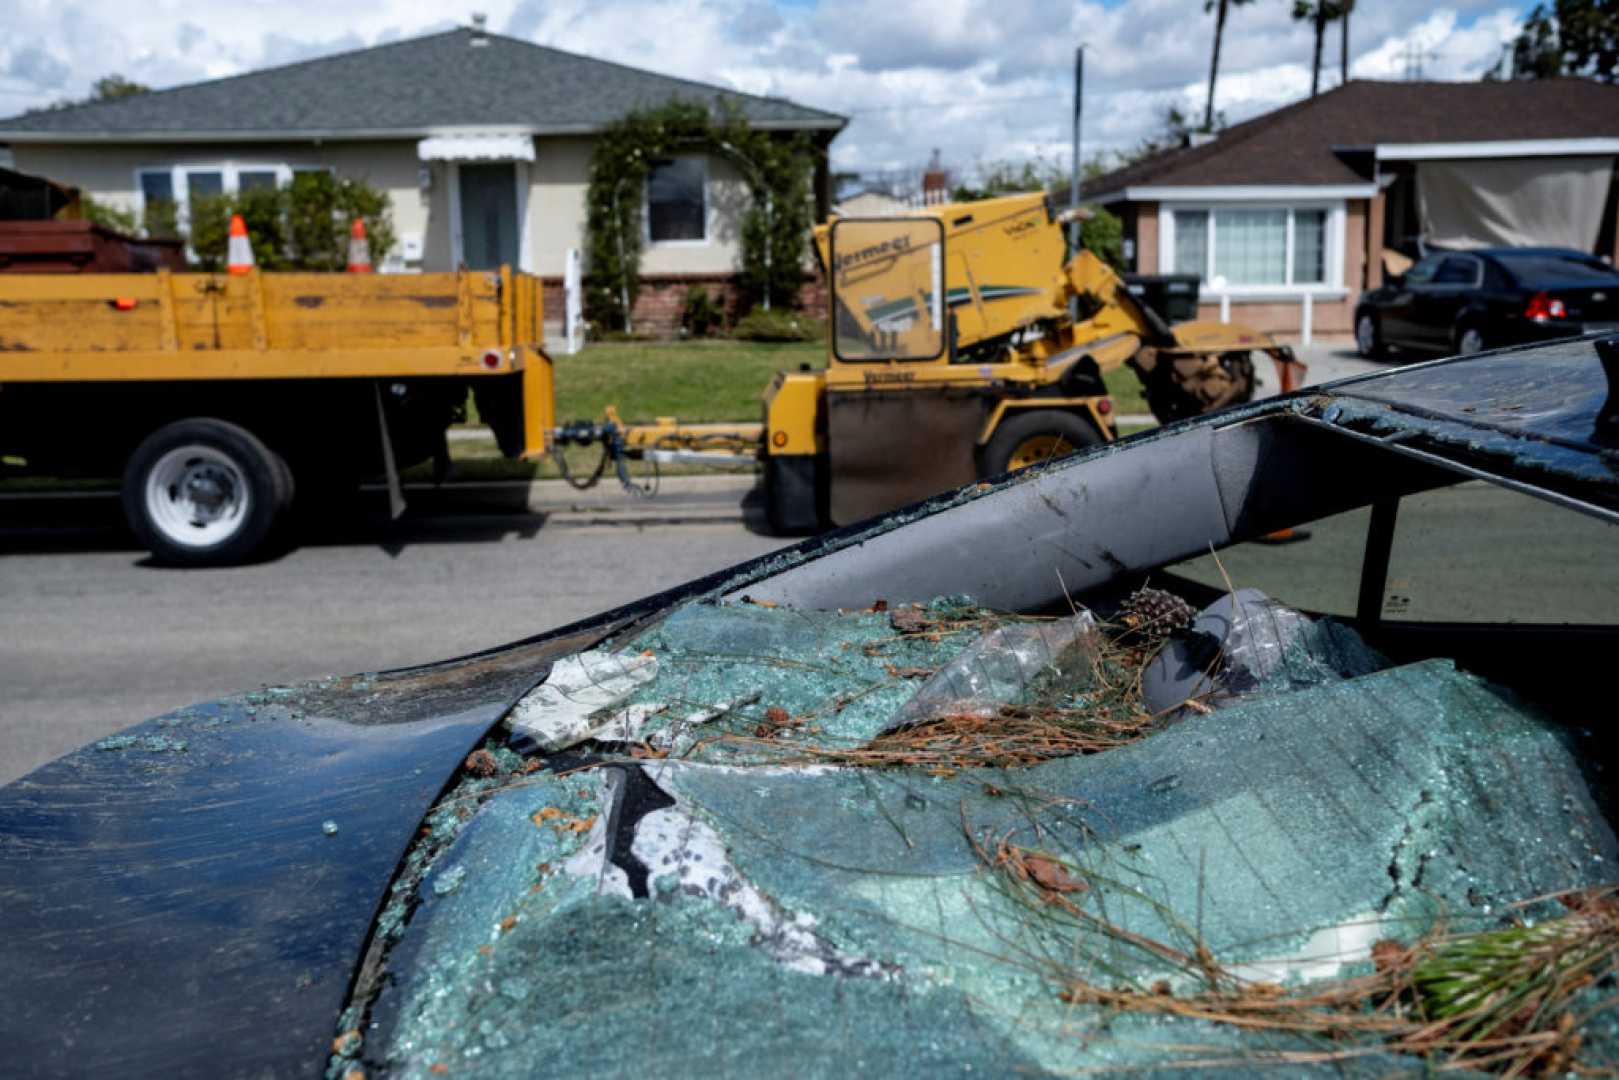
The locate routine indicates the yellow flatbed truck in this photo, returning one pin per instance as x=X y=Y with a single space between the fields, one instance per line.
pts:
x=222 y=397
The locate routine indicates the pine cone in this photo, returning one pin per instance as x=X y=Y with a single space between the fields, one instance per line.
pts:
x=1153 y=614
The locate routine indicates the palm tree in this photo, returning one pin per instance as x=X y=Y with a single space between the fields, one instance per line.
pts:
x=1317 y=12
x=1345 y=8
x=1219 y=7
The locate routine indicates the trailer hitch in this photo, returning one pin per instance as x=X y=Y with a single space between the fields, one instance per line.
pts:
x=611 y=436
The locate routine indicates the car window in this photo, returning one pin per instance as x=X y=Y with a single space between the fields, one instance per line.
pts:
x=1548 y=267
x=1457 y=270
x=1481 y=553
x=1423 y=271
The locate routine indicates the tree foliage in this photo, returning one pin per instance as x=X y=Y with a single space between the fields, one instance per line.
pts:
x=777 y=170
x=157 y=221
x=1319 y=13
x=1220 y=9
x=107 y=88
x=1569 y=37
x=1175 y=129
x=113 y=87
x=303 y=226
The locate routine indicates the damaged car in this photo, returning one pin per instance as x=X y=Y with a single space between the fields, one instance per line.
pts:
x=1068 y=771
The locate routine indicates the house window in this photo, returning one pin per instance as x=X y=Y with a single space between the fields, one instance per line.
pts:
x=1250 y=246
x=1309 y=247
x=179 y=184
x=1253 y=247
x=204 y=183
x=157 y=187
x=677 y=201
x=1192 y=242
x=252 y=179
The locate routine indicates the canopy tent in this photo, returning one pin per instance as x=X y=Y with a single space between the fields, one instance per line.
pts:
x=1537 y=201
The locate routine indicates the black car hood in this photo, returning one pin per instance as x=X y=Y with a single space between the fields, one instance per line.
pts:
x=192 y=896
x=189 y=895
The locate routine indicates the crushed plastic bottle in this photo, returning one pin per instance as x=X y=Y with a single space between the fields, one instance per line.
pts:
x=1012 y=664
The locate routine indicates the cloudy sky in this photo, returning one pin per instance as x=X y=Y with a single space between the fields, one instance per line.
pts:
x=982 y=80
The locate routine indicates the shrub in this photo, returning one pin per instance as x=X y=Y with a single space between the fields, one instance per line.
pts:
x=1103 y=233
x=778 y=325
x=107 y=215
x=208 y=229
x=304 y=226
x=700 y=315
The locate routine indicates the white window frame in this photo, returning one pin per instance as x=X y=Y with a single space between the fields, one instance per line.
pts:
x=1332 y=256
x=708 y=207
x=525 y=241
x=231 y=171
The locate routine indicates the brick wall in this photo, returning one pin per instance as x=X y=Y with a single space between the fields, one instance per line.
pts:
x=663 y=296
x=1329 y=317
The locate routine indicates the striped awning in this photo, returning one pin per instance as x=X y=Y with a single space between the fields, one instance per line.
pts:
x=477 y=146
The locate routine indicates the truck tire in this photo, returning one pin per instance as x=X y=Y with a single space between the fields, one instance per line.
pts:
x=1035 y=436
x=204 y=492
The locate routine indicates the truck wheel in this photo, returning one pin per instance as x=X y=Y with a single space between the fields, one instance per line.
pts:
x=1037 y=436
x=204 y=492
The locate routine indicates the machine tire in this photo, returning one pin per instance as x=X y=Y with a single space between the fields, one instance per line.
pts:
x=1039 y=434
x=204 y=492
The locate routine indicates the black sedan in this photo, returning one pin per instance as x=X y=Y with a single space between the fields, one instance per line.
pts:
x=1467 y=301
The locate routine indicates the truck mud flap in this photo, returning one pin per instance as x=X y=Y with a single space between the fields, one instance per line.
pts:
x=893 y=447
x=795 y=493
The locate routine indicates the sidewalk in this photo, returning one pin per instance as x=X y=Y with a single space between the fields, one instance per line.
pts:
x=679 y=499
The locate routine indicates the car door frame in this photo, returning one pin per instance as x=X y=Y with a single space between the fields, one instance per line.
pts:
x=1397 y=313
x=1437 y=305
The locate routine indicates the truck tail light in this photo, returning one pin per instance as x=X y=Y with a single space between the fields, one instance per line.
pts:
x=1543 y=308
x=491 y=359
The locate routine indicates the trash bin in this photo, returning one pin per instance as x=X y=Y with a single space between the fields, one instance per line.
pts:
x=1173 y=296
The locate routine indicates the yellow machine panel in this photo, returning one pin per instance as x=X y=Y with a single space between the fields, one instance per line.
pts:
x=793 y=422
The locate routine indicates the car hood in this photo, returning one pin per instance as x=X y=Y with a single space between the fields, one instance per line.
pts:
x=196 y=894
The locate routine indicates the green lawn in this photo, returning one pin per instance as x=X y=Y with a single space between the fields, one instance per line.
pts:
x=696 y=381
x=708 y=380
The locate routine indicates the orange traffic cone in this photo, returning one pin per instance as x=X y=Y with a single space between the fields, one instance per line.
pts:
x=359 y=249
x=239 y=250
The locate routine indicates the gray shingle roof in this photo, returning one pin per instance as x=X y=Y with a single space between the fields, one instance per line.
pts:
x=1302 y=143
x=406 y=87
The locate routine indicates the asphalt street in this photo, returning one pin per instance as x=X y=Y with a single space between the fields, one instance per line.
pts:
x=94 y=638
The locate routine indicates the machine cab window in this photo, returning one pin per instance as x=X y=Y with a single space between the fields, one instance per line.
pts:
x=888 y=289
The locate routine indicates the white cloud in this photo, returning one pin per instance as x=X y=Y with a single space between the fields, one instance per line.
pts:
x=981 y=80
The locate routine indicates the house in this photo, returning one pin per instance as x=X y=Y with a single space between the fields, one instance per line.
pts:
x=1304 y=202
x=482 y=141
x=871 y=202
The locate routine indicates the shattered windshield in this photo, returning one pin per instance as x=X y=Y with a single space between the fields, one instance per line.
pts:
x=1200 y=822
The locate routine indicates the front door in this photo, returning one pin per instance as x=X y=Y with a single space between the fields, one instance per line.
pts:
x=489 y=226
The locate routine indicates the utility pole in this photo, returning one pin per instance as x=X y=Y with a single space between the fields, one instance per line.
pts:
x=1073 y=180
